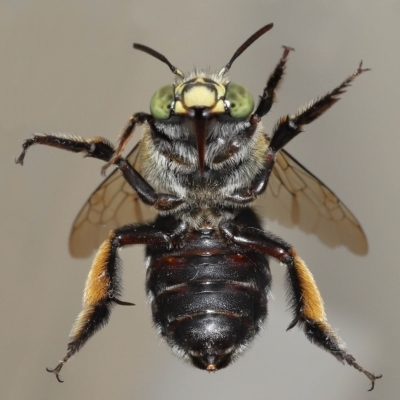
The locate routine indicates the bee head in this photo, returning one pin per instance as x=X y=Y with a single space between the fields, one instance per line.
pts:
x=202 y=96
x=199 y=99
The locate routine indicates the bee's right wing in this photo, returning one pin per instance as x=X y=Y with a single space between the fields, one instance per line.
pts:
x=296 y=197
x=113 y=204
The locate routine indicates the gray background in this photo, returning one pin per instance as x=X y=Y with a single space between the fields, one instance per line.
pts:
x=69 y=67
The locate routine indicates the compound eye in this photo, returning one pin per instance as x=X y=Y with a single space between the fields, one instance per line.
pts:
x=240 y=99
x=160 y=104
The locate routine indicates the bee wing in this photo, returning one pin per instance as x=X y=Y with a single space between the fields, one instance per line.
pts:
x=295 y=196
x=113 y=204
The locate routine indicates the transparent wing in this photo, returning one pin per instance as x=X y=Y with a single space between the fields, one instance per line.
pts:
x=113 y=204
x=296 y=197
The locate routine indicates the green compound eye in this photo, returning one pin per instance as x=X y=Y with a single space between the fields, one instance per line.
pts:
x=160 y=104
x=240 y=99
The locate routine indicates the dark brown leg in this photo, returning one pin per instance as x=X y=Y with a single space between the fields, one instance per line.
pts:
x=103 y=286
x=102 y=149
x=96 y=147
x=268 y=96
x=160 y=201
x=305 y=299
x=287 y=128
x=125 y=135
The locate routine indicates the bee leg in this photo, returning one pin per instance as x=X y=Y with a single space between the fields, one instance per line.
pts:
x=103 y=285
x=160 y=201
x=286 y=129
x=290 y=126
x=102 y=149
x=269 y=95
x=96 y=147
x=101 y=293
x=125 y=135
x=304 y=297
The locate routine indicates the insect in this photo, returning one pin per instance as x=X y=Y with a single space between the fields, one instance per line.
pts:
x=203 y=159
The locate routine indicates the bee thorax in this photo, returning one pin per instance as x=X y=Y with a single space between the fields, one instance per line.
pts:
x=231 y=163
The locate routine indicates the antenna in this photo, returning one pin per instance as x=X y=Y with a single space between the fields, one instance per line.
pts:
x=159 y=56
x=244 y=46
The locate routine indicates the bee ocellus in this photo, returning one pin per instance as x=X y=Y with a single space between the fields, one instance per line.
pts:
x=186 y=192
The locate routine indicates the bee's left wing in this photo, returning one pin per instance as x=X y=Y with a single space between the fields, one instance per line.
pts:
x=112 y=205
x=295 y=196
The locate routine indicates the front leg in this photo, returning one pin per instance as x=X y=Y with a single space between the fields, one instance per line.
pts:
x=102 y=149
x=96 y=147
x=286 y=129
x=304 y=297
x=160 y=201
x=126 y=134
x=268 y=96
x=103 y=287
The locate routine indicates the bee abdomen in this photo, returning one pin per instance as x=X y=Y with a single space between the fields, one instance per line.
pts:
x=195 y=298
x=206 y=304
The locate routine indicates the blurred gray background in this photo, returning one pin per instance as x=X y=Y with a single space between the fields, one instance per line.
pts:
x=70 y=67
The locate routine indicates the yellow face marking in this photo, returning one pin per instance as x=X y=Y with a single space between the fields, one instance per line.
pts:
x=199 y=93
x=199 y=96
x=179 y=108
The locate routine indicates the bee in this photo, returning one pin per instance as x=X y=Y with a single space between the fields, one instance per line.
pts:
x=204 y=159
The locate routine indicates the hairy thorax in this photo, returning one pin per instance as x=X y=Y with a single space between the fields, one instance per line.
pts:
x=170 y=164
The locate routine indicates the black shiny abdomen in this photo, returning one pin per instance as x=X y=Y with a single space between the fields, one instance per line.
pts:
x=208 y=298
